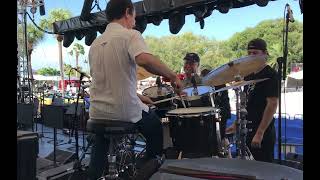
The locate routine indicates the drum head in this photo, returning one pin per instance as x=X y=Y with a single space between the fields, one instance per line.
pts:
x=201 y=90
x=152 y=91
x=191 y=111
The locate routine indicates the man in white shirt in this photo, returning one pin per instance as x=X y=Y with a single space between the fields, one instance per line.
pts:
x=113 y=59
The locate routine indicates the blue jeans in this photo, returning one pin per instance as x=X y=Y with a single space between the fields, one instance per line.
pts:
x=149 y=126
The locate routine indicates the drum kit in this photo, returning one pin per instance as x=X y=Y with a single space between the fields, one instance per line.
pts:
x=194 y=119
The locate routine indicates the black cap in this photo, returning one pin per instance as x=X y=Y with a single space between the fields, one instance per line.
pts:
x=192 y=57
x=257 y=44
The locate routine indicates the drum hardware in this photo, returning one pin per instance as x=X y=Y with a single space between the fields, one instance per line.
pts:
x=194 y=84
x=222 y=152
x=241 y=67
x=242 y=150
x=234 y=72
x=183 y=103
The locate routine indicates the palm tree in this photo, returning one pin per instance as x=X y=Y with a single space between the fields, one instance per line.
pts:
x=34 y=36
x=57 y=15
x=77 y=50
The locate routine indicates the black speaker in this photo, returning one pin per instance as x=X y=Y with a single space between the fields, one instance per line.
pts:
x=53 y=116
x=25 y=113
x=27 y=151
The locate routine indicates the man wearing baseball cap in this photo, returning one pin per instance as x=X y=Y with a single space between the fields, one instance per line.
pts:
x=262 y=103
x=221 y=100
x=190 y=67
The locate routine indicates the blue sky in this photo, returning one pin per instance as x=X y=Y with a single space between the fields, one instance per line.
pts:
x=218 y=26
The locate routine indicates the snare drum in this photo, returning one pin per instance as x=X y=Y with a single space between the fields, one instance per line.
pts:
x=193 y=131
x=156 y=94
x=200 y=100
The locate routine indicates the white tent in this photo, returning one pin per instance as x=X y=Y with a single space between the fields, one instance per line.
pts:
x=296 y=75
x=295 y=80
x=46 y=78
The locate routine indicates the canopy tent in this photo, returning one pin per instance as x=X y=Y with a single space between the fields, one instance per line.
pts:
x=147 y=11
x=51 y=78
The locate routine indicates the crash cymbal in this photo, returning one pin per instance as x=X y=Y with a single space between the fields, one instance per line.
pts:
x=237 y=68
x=240 y=84
x=142 y=73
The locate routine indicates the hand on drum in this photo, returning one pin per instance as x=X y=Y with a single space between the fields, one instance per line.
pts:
x=177 y=86
x=145 y=100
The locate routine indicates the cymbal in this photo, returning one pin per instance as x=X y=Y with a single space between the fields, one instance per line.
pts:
x=240 y=84
x=142 y=73
x=239 y=67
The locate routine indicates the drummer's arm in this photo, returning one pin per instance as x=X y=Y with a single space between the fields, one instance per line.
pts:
x=145 y=99
x=272 y=94
x=155 y=66
x=269 y=111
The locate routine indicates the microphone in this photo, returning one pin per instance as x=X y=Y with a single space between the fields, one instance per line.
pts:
x=290 y=13
x=194 y=84
x=82 y=73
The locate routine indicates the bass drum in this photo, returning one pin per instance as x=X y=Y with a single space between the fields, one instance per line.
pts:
x=193 y=131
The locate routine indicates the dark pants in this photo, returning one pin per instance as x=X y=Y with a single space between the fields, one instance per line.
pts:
x=149 y=126
x=266 y=152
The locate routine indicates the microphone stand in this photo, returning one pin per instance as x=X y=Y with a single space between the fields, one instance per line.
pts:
x=282 y=71
x=76 y=117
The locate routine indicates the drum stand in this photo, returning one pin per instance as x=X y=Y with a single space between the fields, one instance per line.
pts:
x=243 y=151
x=222 y=152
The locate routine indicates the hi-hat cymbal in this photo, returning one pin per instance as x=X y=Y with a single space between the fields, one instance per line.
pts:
x=240 y=84
x=240 y=67
x=142 y=73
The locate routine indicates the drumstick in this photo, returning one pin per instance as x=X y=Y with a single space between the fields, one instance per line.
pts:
x=184 y=105
x=164 y=100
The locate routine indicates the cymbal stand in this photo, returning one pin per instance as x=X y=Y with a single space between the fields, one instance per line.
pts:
x=217 y=119
x=243 y=151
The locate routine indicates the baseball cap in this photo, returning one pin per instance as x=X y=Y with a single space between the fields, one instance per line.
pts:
x=192 y=57
x=257 y=44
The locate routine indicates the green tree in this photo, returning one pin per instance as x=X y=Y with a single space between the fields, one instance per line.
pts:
x=272 y=32
x=34 y=36
x=77 y=50
x=68 y=72
x=172 y=49
x=48 y=71
x=57 y=15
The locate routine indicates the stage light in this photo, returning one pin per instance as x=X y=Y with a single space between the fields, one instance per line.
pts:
x=68 y=39
x=90 y=37
x=101 y=29
x=79 y=35
x=200 y=11
x=262 y=3
x=141 y=24
x=224 y=6
x=156 y=20
x=176 y=21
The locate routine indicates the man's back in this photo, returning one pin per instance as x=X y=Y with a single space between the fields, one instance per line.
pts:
x=113 y=71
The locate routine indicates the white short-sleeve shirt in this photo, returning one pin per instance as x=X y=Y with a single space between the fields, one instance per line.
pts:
x=113 y=94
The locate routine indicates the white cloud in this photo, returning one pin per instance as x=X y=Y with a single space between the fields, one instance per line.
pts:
x=47 y=55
